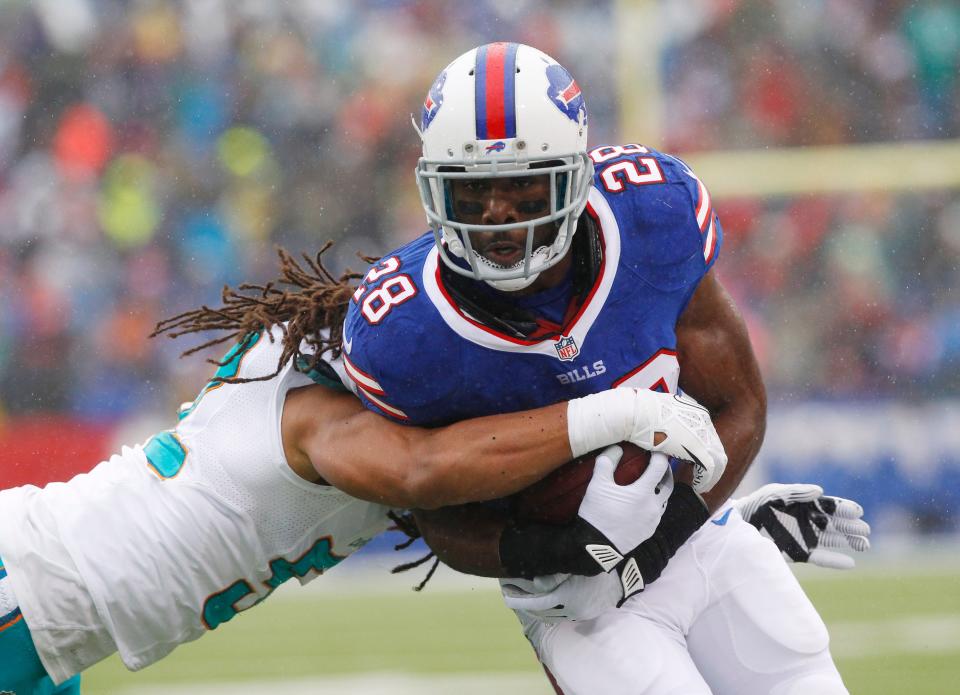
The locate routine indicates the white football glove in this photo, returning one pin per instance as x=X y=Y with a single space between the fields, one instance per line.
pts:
x=806 y=524
x=690 y=434
x=626 y=515
x=564 y=597
x=637 y=415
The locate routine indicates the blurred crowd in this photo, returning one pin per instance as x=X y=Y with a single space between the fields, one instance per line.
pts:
x=152 y=151
x=757 y=73
x=849 y=297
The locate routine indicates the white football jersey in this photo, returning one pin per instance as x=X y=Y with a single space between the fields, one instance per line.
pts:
x=165 y=541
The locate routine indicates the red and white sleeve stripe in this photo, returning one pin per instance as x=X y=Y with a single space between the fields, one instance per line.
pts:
x=707 y=221
x=371 y=389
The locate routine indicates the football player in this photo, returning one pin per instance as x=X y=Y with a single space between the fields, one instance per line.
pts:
x=275 y=471
x=554 y=270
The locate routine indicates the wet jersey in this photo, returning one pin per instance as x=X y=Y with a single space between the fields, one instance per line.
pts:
x=418 y=356
x=168 y=540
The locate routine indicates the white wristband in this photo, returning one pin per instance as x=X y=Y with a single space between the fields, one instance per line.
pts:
x=600 y=419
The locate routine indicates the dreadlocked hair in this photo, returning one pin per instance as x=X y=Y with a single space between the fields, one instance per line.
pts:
x=407 y=524
x=311 y=314
x=318 y=304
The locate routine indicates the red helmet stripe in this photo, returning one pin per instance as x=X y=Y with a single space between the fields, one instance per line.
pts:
x=495 y=91
x=495 y=87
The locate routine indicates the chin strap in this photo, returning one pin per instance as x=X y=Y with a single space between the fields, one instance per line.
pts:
x=514 y=284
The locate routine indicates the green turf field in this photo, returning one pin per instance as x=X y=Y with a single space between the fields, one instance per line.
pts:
x=894 y=632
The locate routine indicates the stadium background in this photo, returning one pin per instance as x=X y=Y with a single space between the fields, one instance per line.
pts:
x=152 y=151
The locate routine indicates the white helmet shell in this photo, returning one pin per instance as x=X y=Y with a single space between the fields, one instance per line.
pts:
x=504 y=110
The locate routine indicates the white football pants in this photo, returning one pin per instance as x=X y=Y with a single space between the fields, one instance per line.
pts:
x=726 y=617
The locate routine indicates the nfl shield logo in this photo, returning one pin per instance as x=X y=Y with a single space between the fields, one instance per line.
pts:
x=566 y=348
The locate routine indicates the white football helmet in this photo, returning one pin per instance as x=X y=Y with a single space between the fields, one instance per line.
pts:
x=498 y=111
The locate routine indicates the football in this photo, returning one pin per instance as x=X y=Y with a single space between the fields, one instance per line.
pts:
x=556 y=498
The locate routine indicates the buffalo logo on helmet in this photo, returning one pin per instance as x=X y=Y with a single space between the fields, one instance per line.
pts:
x=566 y=348
x=565 y=93
x=433 y=102
x=498 y=146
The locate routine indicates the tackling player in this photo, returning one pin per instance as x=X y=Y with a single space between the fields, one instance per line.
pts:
x=555 y=271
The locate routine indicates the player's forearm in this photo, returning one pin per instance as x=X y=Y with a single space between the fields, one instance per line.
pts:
x=475 y=460
x=374 y=459
x=465 y=538
x=485 y=458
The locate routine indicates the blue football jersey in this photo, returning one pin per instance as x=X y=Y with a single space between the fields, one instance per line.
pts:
x=417 y=356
